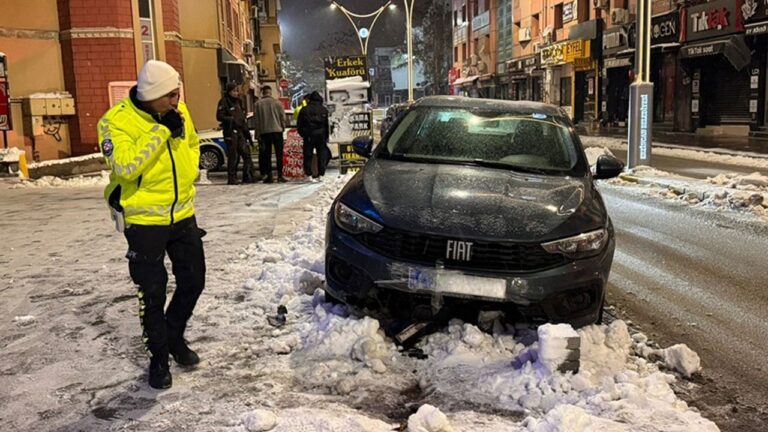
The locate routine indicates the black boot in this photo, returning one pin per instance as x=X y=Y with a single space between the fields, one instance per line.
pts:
x=160 y=373
x=183 y=355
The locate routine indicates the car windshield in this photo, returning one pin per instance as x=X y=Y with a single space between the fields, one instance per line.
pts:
x=532 y=142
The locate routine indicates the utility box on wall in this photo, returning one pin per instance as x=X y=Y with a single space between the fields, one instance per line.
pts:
x=49 y=105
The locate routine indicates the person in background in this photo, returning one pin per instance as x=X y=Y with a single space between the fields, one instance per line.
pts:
x=314 y=129
x=302 y=104
x=270 y=124
x=231 y=114
x=150 y=145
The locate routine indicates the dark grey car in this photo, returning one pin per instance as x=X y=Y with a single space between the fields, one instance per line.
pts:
x=474 y=205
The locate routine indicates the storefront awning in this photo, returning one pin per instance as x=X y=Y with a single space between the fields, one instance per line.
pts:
x=733 y=48
x=666 y=46
x=465 y=80
x=756 y=29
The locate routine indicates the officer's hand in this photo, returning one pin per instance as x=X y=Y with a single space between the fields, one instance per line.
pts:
x=174 y=122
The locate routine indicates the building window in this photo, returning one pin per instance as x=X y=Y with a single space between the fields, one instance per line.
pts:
x=558 y=16
x=455 y=54
x=147 y=26
x=464 y=13
x=535 y=30
x=475 y=8
x=456 y=18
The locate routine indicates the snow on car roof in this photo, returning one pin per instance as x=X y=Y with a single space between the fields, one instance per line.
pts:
x=519 y=107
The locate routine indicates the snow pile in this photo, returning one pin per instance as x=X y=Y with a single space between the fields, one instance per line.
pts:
x=50 y=95
x=682 y=359
x=202 y=178
x=84 y=158
x=553 y=344
x=429 y=419
x=726 y=192
x=753 y=160
x=260 y=421
x=752 y=182
x=57 y=182
x=612 y=389
x=24 y=321
x=10 y=155
x=309 y=419
x=593 y=153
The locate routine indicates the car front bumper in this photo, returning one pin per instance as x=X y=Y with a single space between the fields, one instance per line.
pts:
x=571 y=293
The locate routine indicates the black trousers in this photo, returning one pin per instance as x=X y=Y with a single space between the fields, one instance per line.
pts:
x=316 y=143
x=266 y=142
x=238 y=147
x=147 y=246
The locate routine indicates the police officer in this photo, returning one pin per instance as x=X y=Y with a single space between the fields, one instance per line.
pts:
x=150 y=145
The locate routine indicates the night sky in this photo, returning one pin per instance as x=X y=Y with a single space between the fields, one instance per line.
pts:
x=304 y=24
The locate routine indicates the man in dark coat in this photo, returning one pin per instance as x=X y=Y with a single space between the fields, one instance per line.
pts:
x=231 y=114
x=313 y=128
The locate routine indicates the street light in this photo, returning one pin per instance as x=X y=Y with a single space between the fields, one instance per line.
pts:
x=409 y=36
x=640 y=130
x=362 y=35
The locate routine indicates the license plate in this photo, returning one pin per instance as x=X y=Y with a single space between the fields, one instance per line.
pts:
x=451 y=282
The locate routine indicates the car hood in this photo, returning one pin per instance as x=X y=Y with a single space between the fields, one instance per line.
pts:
x=475 y=202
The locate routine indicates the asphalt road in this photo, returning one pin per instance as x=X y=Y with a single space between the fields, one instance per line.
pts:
x=685 y=275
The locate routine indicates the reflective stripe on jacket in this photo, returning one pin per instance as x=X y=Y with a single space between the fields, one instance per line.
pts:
x=155 y=173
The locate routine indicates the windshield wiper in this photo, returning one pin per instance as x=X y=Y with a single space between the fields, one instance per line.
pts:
x=502 y=165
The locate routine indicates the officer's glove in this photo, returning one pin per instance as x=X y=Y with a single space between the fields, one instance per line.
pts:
x=174 y=122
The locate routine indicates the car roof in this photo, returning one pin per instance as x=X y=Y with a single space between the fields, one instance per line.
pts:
x=515 y=107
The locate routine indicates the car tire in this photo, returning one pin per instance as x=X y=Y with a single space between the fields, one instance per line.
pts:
x=211 y=159
x=600 y=313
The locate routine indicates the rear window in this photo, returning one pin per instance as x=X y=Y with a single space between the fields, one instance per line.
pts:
x=528 y=141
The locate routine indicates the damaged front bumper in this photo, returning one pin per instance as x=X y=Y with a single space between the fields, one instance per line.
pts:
x=572 y=293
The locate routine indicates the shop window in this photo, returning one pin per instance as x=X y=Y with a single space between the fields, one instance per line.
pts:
x=565 y=91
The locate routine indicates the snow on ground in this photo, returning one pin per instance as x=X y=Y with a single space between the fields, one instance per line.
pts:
x=752 y=160
x=472 y=380
x=324 y=369
x=10 y=154
x=66 y=160
x=57 y=182
x=725 y=192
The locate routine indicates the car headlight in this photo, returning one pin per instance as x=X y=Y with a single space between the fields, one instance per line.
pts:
x=580 y=246
x=352 y=221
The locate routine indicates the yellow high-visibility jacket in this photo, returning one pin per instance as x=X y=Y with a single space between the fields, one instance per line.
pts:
x=298 y=108
x=152 y=174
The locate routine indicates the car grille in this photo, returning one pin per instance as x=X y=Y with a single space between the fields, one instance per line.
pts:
x=428 y=249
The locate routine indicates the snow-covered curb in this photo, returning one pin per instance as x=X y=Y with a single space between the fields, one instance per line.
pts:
x=49 y=163
x=350 y=358
x=750 y=160
x=56 y=182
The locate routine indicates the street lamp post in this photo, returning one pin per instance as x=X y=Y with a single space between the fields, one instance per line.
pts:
x=640 y=130
x=375 y=14
x=409 y=36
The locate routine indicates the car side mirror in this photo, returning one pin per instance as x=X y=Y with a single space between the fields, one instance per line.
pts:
x=608 y=167
x=363 y=146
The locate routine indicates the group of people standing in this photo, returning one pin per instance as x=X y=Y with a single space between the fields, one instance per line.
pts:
x=270 y=123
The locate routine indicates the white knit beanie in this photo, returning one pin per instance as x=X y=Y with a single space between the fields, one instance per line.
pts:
x=157 y=79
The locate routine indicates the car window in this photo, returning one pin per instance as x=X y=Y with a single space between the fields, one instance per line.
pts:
x=442 y=134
